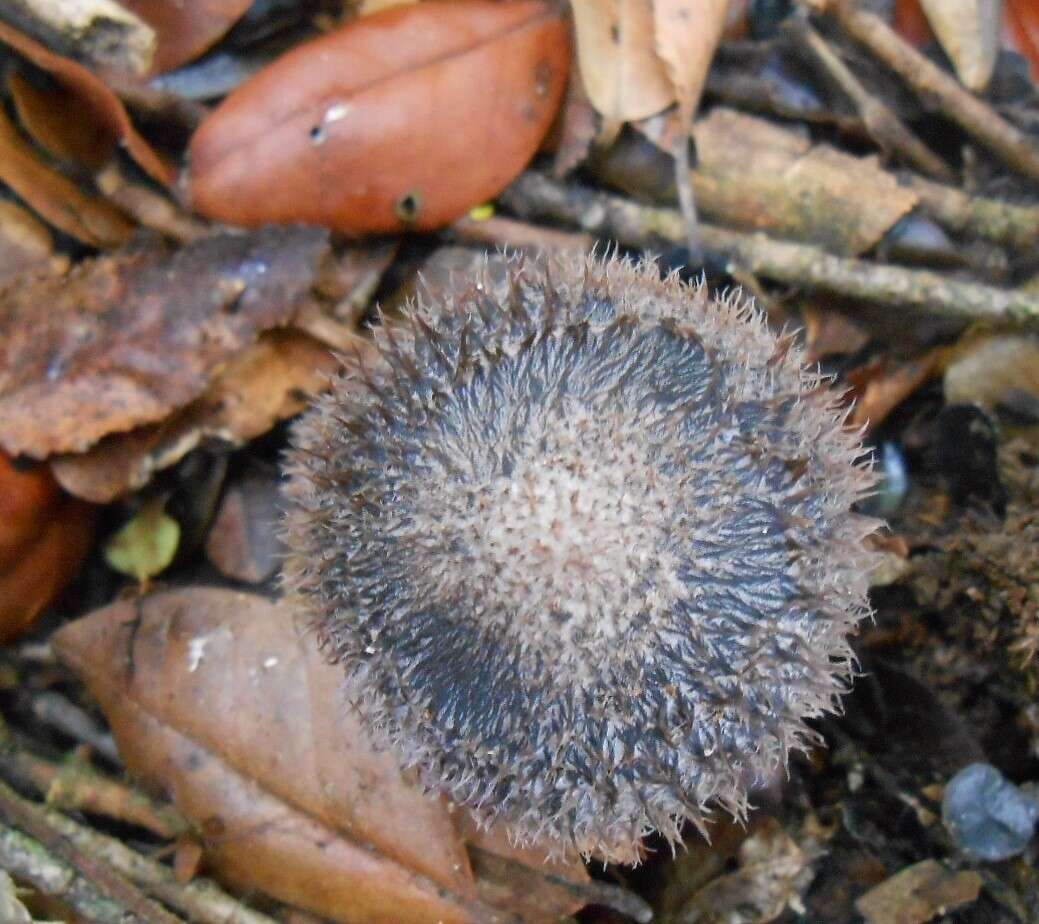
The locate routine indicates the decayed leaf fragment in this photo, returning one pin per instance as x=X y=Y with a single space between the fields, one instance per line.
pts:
x=123 y=340
x=217 y=696
x=761 y=176
x=969 y=31
x=428 y=110
x=919 y=893
x=267 y=382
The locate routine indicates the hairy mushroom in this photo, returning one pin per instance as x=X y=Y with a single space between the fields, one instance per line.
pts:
x=583 y=538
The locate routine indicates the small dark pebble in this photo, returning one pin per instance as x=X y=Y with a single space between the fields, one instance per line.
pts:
x=988 y=817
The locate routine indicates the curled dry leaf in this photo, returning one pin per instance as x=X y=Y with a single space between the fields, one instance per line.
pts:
x=52 y=117
x=44 y=537
x=123 y=340
x=622 y=73
x=288 y=794
x=267 y=382
x=55 y=197
x=185 y=29
x=969 y=31
x=97 y=101
x=687 y=33
x=881 y=386
x=428 y=110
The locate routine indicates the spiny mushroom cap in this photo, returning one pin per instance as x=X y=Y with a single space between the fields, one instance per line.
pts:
x=583 y=539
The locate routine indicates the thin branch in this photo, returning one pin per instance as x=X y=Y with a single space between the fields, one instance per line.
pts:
x=886 y=129
x=1002 y=222
x=38 y=824
x=535 y=196
x=935 y=86
x=31 y=862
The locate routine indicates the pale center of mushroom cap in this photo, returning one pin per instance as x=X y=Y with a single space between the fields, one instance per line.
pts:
x=569 y=538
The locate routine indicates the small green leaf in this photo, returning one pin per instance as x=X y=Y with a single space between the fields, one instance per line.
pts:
x=145 y=546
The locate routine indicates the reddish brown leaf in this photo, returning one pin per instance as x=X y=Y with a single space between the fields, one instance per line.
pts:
x=881 y=386
x=1021 y=31
x=393 y=135
x=53 y=118
x=43 y=539
x=102 y=104
x=186 y=28
x=126 y=339
x=26 y=500
x=55 y=197
x=288 y=795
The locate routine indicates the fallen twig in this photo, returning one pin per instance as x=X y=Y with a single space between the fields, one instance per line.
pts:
x=38 y=824
x=1001 y=222
x=534 y=195
x=31 y=862
x=201 y=900
x=886 y=129
x=935 y=85
x=77 y=786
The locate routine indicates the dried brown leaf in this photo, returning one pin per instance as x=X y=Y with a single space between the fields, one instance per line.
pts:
x=54 y=119
x=616 y=49
x=243 y=542
x=969 y=31
x=123 y=340
x=883 y=385
x=919 y=893
x=54 y=196
x=686 y=34
x=996 y=371
x=269 y=381
x=95 y=97
x=289 y=796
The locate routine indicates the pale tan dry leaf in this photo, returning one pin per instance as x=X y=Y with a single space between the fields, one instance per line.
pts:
x=919 y=893
x=223 y=701
x=686 y=33
x=616 y=51
x=969 y=31
x=995 y=371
